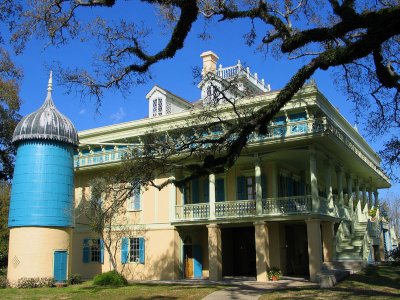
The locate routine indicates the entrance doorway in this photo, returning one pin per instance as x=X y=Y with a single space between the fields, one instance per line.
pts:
x=192 y=259
x=238 y=251
x=60 y=266
x=296 y=249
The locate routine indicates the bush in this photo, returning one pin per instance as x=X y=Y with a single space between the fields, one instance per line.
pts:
x=4 y=282
x=46 y=282
x=394 y=254
x=75 y=279
x=36 y=282
x=112 y=278
x=372 y=212
x=27 y=283
x=274 y=273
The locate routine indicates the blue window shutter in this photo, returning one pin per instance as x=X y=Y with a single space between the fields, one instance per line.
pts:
x=86 y=251
x=206 y=190
x=220 y=190
x=264 y=186
x=136 y=199
x=102 y=251
x=124 y=250
x=241 y=188
x=195 y=190
x=141 y=250
x=197 y=265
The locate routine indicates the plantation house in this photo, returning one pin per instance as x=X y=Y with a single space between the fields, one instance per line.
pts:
x=296 y=199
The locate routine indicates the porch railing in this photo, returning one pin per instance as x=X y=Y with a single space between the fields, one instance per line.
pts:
x=244 y=208
x=241 y=208
x=192 y=211
x=286 y=205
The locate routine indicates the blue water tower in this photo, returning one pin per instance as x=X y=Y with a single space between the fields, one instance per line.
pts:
x=42 y=196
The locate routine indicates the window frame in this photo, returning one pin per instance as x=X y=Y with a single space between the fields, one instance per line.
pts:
x=134 y=254
x=93 y=250
x=135 y=198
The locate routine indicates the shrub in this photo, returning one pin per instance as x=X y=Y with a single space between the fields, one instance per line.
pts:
x=372 y=212
x=4 y=282
x=394 y=254
x=46 y=282
x=26 y=283
x=75 y=279
x=112 y=278
x=35 y=282
x=274 y=273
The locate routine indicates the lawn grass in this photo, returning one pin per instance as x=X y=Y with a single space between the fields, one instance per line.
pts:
x=134 y=291
x=375 y=282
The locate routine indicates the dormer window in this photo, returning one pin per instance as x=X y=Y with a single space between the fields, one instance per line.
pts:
x=163 y=102
x=157 y=107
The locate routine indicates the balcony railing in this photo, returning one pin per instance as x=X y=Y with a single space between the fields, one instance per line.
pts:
x=319 y=125
x=242 y=208
x=245 y=208
x=237 y=71
x=275 y=131
x=286 y=205
x=192 y=211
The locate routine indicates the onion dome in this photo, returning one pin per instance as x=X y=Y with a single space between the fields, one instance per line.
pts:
x=46 y=123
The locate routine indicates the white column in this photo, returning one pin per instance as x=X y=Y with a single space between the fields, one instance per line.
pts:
x=274 y=180
x=376 y=195
x=211 y=185
x=370 y=202
x=364 y=199
x=288 y=131
x=349 y=180
x=172 y=200
x=257 y=171
x=328 y=183
x=339 y=176
x=314 y=181
x=358 y=200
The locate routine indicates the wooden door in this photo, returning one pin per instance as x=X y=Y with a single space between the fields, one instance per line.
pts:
x=188 y=261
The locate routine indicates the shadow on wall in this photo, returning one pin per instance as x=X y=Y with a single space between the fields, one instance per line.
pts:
x=156 y=267
x=78 y=265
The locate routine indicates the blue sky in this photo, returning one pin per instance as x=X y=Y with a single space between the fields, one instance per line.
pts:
x=174 y=74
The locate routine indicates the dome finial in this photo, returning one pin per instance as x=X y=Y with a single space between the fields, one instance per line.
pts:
x=50 y=84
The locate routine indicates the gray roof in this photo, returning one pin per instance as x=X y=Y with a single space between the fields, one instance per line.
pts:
x=46 y=123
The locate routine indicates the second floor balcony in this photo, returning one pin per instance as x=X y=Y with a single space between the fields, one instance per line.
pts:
x=240 y=209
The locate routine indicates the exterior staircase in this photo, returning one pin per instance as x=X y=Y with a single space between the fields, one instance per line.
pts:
x=350 y=247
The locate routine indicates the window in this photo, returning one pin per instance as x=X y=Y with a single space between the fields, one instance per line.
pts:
x=132 y=250
x=279 y=126
x=157 y=107
x=298 y=128
x=246 y=187
x=135 y=203
x=93 y=250
x=168 y=108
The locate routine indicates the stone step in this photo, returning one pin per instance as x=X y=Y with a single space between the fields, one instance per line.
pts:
x=352 y=265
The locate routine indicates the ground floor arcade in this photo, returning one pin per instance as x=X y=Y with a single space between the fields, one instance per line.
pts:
x=297 y=247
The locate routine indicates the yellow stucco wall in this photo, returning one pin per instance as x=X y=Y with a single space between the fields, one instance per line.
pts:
x=31 y=251
x=162 y=252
